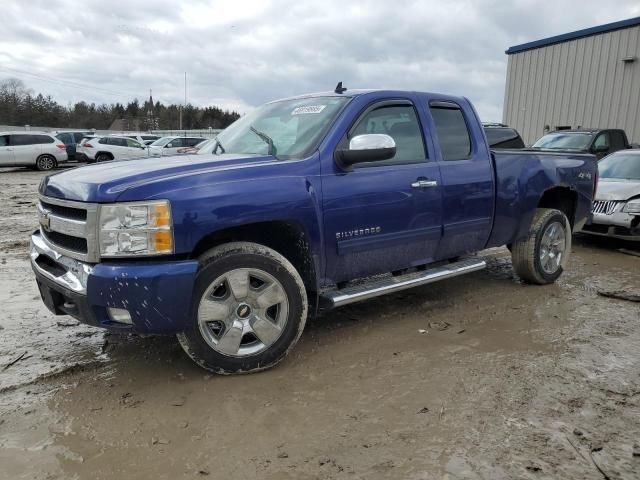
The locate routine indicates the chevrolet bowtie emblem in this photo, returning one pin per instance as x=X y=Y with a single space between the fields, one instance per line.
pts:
x=44 y=219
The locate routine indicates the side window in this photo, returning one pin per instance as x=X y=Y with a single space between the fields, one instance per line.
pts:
x=64 y=138
x=42 y=139
x=104 y=141
x=452 y=132
x=617 y=140
x=132 y=143
x=192 y=142
x=401 y=123
x=4 y=140
x=19 y=140
x=602 y=140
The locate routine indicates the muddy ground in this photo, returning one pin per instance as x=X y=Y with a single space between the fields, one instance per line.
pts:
x=507 y=381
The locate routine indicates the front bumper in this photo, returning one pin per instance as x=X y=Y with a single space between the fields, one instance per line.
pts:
x=619 y=224
x=156 y=294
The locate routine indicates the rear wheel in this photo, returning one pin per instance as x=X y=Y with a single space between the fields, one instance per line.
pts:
x=542 y=256
x=46 y=162
x=249 y=309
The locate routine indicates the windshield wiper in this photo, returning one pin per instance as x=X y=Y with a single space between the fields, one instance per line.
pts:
x=267 y=139
x=217 y=146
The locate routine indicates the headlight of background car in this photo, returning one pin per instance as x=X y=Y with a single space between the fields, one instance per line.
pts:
x=140 y=228
x=632 y=206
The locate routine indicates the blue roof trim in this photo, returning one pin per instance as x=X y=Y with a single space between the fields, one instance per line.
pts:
x=587 y=32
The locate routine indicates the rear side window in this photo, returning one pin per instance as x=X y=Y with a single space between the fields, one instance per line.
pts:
x=452 y=131
x=4 y=140
x=400 y=122
x=617 y=140
x=192 y=142
x=503 y=138
x=42 y=139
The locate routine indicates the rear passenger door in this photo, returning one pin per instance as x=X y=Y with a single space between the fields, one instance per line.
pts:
x=467 y=178
x=25 y=152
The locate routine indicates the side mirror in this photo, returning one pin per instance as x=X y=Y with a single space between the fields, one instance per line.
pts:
x=601 y=148
x=169 y=145
x=371 y=147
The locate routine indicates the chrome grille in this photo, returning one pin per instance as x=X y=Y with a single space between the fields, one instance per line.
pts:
x=605 y=207
x=69 y=227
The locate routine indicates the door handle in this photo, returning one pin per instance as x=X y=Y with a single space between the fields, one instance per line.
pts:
x=424 y=184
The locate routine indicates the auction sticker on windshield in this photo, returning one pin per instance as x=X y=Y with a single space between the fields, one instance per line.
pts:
x=308 y=109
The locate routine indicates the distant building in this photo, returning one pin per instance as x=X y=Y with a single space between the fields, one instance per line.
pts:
x=587 y=78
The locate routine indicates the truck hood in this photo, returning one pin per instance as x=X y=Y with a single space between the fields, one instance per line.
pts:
x=614 y=189
x=104 y=182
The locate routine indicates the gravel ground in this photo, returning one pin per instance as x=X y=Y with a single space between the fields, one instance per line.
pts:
x=507 y=381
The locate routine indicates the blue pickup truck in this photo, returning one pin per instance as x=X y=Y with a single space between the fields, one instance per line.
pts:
x=305 y=204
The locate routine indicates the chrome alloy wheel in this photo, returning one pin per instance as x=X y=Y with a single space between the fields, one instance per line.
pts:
x=243 y=312
x=552 y=247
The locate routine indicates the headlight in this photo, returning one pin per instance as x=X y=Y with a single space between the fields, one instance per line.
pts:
x=136 y=229
x=632 y=206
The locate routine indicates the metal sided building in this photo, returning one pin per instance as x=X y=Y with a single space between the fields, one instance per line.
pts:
x=588 y=78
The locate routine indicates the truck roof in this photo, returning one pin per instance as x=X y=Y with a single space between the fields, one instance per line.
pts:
x=358 y=92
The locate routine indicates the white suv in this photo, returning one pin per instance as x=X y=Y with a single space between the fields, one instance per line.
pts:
x=38 y=150
x=102 y=149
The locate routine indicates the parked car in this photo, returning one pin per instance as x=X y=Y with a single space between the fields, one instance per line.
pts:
x=71 y=139
x=103 y=149
x=203 y=148
x=616 y=209
x=38 y=150
x=170 y=145
x=139 y=137
x=308 y=203
x=600 y=142
x=502 y=136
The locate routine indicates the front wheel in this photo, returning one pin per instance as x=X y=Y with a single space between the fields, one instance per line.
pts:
x=249 y=309
x=542 y=256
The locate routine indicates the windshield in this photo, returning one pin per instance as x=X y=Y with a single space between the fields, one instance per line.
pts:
x=161 y=142
x=560 y=141
x=293 y=126
x=623 y=166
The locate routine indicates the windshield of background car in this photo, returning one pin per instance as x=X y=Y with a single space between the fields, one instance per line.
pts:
x=623 y=166
x=578 y=141
x=161 y=142
x=207 y=146
x=295 y=126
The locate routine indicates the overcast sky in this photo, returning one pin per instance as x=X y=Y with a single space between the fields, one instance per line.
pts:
x=238 y=53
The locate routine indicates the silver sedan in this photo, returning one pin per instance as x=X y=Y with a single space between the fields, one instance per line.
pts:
x=616 y=207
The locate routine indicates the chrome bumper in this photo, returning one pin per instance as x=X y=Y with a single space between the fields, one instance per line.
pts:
x=76 y=273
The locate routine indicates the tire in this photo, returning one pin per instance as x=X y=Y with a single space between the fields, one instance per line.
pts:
x=249 y=309
x=46 y=162
x=542 y=256
x=103 y=157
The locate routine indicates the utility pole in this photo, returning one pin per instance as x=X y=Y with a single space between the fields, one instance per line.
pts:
x=185 y=99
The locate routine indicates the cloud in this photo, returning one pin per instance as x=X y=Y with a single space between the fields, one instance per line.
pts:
x=240 y=53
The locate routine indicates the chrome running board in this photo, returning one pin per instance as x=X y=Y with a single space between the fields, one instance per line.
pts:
x=377 y=287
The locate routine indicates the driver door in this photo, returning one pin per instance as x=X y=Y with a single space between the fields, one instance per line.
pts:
x=385 y=215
